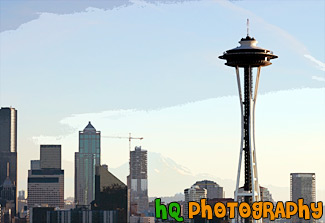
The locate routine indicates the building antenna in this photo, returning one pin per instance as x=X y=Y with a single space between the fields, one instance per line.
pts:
x=247 y=25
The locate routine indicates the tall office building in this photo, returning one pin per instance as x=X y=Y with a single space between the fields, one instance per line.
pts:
x=138 y=180
x=213 y=189
x=8 y=153
x=302 y=185
x=111 y=193
x=195 y=193
x=86 y=161
x=46 y=181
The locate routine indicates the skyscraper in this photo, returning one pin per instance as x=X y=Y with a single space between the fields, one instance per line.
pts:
x=138 y=179
x=8 y=151
x=86 y=161
x=302 y=185
x=46 y=184
x=111 y=193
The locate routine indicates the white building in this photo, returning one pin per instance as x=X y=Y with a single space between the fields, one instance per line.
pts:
x=214 y=190
x=195 y=193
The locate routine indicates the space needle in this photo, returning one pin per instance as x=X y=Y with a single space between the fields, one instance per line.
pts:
x=248 y=57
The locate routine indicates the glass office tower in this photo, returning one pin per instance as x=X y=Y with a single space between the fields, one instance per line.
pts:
x=86 y=161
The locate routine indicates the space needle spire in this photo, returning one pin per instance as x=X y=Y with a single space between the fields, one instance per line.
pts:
x=247 y=57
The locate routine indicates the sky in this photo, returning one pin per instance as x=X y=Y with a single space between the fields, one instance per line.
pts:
x=151 y=68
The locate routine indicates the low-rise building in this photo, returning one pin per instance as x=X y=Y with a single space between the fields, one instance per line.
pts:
x=81 y=215
x=140 y=219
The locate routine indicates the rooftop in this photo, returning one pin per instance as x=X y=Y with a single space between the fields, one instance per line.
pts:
x=89 y=128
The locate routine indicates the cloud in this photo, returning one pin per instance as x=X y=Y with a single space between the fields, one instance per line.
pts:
x=20 y=12
x=320 y=64
x=317 y=78
x=42 y=139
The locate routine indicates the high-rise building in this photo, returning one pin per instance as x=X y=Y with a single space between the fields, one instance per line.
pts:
x=50 y=157
x=213 y=189
x=8 y=152
x=111 y=193
x=138 y=180
x=8 y=130
x=46 y=185
x=302 y=185
x=195 y=193
x=86 y=161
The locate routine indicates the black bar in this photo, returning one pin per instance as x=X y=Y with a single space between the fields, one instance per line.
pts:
x=248 y=85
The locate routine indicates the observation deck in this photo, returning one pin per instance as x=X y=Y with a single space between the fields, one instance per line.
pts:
x=248 y=55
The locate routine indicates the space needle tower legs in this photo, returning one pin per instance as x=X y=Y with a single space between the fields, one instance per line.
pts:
x=251 y=191
x=247 y=56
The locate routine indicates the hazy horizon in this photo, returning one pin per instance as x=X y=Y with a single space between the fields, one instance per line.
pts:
x=151 y=68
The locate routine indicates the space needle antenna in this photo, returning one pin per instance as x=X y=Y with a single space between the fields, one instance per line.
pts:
x=247 y=26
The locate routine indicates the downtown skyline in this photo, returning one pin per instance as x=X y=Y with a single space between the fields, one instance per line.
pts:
x=184 y=102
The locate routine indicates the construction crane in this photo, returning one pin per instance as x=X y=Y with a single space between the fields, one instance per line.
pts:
x=121 y=137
